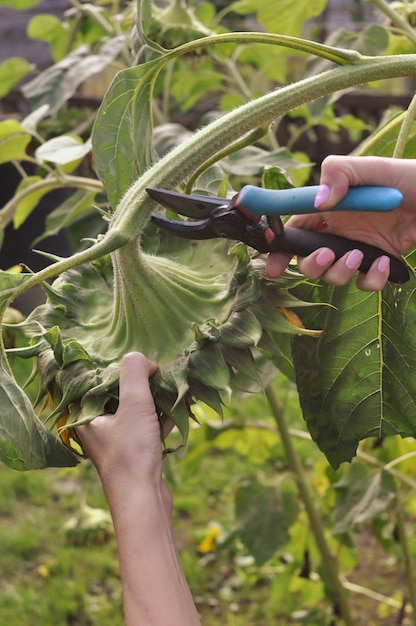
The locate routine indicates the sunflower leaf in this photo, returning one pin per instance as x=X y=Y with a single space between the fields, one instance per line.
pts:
x=351 y=381
x=25 y=443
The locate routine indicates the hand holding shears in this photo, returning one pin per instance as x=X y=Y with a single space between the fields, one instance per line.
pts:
x=253 y=216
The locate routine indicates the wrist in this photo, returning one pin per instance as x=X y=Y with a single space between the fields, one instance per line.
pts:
x=128 y=498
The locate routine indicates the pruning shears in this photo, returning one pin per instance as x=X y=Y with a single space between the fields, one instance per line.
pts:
x=253 y=217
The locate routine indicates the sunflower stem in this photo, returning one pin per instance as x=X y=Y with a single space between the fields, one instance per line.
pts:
x=409 y=118
x=135 y=207
x=407 y=557
x=333 y=580
x=212 y=139
x=248 y=140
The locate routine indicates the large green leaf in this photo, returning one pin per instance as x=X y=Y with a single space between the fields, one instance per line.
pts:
x=357 y=379
x=125 y=120
x=25 y=443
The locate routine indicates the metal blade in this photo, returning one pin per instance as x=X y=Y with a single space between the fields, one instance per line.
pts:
x=196 y=206
x=188 y=230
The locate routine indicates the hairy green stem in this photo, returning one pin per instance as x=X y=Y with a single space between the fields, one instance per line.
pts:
x=338 y=593
x=248 y=140
x=341 y=56
x=182 y=161
x=135 y=207
x=409 y=118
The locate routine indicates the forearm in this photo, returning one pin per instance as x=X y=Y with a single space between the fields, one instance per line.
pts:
x=127 y=453
x=155 y=591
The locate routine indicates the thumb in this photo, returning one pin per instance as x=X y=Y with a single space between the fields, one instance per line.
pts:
x=338 y=173
x=135 y=394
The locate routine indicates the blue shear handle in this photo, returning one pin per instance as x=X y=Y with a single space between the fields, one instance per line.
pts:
x=258 y=201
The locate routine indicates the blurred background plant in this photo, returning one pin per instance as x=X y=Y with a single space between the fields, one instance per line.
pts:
x=268 y=531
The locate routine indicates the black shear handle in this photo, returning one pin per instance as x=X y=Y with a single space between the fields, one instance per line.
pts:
x=303 y=242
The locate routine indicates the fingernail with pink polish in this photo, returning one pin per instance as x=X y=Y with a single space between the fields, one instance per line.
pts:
x=383 y=264
x=325 y=257
x=322 y=195
x=354 y=259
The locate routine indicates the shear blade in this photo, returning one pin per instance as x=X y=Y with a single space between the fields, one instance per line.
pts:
x=196 y=206
x=188 y=230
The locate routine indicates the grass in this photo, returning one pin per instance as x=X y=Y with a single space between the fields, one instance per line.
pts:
x=49 y=577
x=45 y=580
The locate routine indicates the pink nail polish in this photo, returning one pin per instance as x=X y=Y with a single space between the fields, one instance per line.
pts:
x=354 y=259
x=383 y=264
x=322 y=195
x=325 y=257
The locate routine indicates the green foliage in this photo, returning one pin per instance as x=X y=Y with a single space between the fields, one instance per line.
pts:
x=130 y=94
x=45 y=579
x=13 y=141
x=20 y=5
x=263 y=516
x=362 y=498
x=26 y=443
x=289 y=19
x=12 y=71
x=49 y=28
x=354 y=382
x=358 y=366
x=59 y=82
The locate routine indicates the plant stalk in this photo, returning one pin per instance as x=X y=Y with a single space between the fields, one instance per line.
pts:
x=46 y=185
x=337 y=590
x=405 y=129
x=400 y=22
x=135 y=207
x=255 y=135
x=407 y=557
x=183 y=160
x=368 y=146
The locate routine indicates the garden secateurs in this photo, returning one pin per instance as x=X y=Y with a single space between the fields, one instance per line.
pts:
x=253 y=217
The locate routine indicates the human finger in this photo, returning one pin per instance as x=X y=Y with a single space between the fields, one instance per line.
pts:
x=276 y=263
x=341 y=272
x=135 y=394
x=376 y=277
x=338 y=173
x=321 y=264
